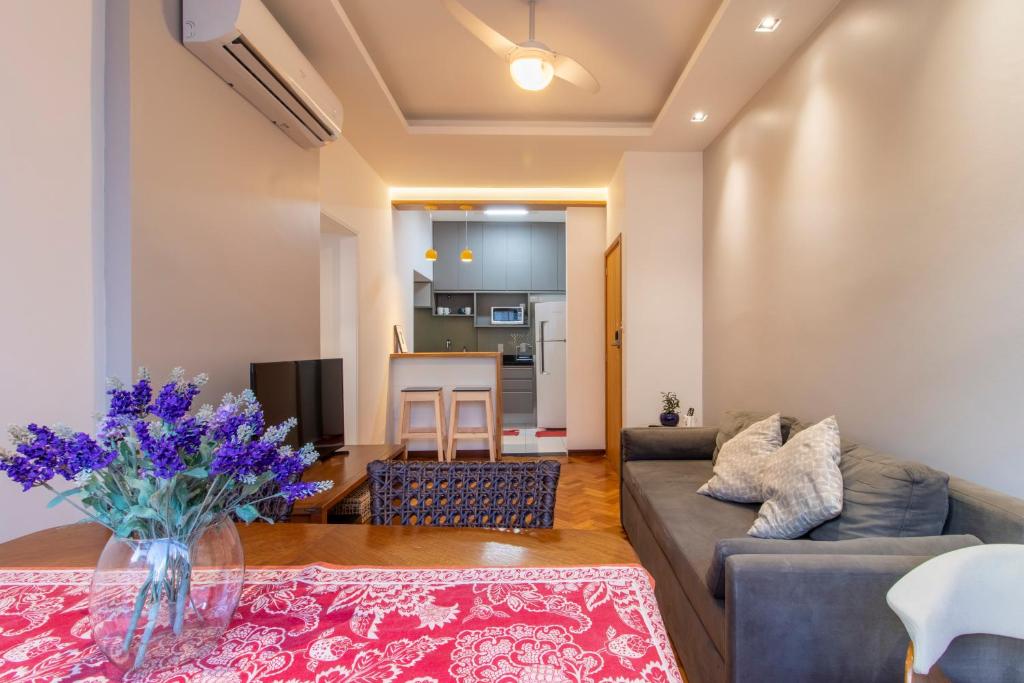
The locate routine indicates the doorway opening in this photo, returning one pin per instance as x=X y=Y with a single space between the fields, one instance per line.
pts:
x=498 y=284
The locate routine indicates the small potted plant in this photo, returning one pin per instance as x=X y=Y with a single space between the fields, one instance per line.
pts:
x=669 y=409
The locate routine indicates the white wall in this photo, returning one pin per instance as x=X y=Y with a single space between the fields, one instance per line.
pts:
x=864 y=242
x=223 y=217
x=413 y=236
x=655 y=203
x=352 y=194
x=584 y=272
x=339 y=312
x=51 y=235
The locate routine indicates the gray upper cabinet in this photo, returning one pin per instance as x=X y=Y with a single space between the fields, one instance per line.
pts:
x=493 y=258
x=514 y=257
x=446 y=267
x=544 y=257
x=470 y=274
x=517 y=257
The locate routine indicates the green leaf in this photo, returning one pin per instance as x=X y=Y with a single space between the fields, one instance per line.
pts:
x=143 y=513
x=62 y=495
x=118 y=501
x=197 y=472
x=247 y=513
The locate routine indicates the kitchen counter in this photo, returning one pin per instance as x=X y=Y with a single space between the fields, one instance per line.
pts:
x=449 y=354
x=446 y=370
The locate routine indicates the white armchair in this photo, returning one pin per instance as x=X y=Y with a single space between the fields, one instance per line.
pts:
x=972 y=590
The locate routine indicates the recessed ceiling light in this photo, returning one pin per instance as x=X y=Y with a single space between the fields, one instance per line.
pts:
x=768 y=24
x=699 y=117
x=506 y=212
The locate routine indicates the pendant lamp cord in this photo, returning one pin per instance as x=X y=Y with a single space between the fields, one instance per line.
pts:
x=533 y=4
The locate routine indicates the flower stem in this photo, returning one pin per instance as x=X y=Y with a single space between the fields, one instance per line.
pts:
x=154 y=615
x=184 y=581
x=140 y=602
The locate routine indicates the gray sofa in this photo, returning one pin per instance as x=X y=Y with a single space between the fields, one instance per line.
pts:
x=803 y=610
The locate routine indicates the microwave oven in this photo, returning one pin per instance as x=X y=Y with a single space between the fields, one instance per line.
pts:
x=508 y=315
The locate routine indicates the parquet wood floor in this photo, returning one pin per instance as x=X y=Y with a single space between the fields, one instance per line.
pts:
x=588 y=495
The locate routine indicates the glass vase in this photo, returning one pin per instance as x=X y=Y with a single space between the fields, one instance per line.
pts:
x=158 y=603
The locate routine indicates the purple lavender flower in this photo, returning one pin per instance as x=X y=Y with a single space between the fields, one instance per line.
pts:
x=161 y=451
x=287 y=468
x=241 y=459
x=174 y=400
x=188 y=435
x=303 y=489
x=41 y=454
x=131 y=402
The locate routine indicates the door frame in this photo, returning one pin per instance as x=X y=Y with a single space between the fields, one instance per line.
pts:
x=610 y=448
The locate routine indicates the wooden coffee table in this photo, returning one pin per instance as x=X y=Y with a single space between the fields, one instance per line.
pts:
x=79 y=545
x=348 y=472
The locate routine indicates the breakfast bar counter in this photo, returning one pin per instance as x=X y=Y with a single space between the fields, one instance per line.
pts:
x=445 y=370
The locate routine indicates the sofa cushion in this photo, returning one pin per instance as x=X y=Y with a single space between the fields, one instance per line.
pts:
x=735 y=421
x=920 y=546
x=687 y=525
x=737 y=471
x=802 y=483
x=884 y=496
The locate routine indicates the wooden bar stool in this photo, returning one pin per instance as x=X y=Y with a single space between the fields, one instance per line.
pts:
x=471 y=395
x=412 y=395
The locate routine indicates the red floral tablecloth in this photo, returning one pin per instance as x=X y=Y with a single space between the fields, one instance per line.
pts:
x=369 y=625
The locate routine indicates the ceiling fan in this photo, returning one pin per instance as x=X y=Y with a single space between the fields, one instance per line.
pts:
x=531 y=63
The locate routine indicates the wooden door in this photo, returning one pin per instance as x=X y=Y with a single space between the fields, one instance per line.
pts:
x=613 y=351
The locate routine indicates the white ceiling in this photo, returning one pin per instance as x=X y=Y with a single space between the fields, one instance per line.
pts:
x=427 y=105
x=437 y=70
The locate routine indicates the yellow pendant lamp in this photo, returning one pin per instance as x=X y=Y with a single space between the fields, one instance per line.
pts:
x=467 y=254
x=431 y=253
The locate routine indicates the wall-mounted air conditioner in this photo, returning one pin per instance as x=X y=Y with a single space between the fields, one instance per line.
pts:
x=243 y=43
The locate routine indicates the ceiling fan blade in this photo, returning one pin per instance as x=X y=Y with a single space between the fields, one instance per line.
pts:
x=569 y=69
x=491 y=38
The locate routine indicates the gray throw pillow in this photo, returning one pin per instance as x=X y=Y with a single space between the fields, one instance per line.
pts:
x=735 y=421
x=802 y=484
x=737 y=472
x=884 y=496
x=923 y=546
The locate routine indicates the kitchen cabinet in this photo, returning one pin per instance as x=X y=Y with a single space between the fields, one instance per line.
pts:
x=446 y=267
x=544 y=257
x=470 y=275
x=514 y=257
x=517 y=257
x=518 y=395
x=493 y=257
x=422 y=296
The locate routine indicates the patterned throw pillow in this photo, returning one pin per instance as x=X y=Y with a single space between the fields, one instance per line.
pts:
x=738 y=470
x=803 y=486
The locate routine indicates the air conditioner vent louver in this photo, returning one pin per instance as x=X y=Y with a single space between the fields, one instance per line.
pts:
x=278 y=89
x=242 y=42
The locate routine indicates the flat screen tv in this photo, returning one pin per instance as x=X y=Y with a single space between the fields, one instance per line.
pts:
x=309 y=390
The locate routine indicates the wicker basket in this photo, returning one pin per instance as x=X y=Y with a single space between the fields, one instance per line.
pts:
x=356 y=504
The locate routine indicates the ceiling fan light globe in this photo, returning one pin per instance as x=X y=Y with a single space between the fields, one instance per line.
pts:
x=531 y=72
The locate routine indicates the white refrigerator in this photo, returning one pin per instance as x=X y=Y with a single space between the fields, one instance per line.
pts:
x=549 y=363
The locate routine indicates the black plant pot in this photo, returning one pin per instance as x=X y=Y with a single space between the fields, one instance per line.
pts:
x=669 y=419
